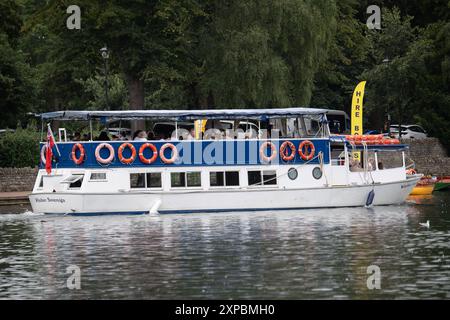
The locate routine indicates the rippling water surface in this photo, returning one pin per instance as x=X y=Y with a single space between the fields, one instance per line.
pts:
x=266 y=255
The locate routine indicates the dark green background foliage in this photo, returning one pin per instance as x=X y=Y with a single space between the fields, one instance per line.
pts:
x=228 y=54
x=19 y=149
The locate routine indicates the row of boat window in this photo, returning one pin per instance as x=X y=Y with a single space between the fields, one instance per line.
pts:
x=179 y=179
x=193 y=179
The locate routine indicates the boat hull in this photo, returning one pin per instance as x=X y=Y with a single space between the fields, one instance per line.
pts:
x=440 y=186
x=220 y=200
x=422 y=190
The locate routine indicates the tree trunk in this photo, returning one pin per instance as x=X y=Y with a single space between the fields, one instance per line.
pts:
x=136 y=92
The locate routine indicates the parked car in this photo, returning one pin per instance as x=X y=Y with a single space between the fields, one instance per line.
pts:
x=3 y=131
x=120 y=132
x=409 y=131
x=166 y=129
x=375 y=132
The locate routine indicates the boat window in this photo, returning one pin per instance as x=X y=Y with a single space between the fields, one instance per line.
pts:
x=185 y=179
x=178 y=179
x=292 y=173
x=317 y=173
x=254 y=178
x=74 y=181
x=194 y=179
x=220 y=179
x=266 y=178
x=232 y=178
x=41 y=182
x=337 y=155
x=269 y=177
x=98 y=176
x=389 y=159
x=154 y=180
x=72 y=178
x=137 y=180
x=216 y=179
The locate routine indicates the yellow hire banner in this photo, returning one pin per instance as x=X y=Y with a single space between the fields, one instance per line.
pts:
x=357 y=109
x=199 y=126
x=357 y=113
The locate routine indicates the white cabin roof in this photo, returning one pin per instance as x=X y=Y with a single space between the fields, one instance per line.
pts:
x=180 y=115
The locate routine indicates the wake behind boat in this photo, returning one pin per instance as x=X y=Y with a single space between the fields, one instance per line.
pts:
x=219 y=160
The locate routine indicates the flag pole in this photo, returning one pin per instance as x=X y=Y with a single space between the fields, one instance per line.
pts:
x=57 y=149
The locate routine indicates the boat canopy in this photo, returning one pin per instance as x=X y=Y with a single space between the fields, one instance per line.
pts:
x=183 y=115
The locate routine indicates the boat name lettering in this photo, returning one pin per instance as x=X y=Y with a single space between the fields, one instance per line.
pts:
x=60 y=200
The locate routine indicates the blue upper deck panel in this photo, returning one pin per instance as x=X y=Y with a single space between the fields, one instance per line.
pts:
x=191 y=153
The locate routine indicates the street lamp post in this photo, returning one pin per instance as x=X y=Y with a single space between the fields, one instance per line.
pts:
x=105 y=55
x=387 y=116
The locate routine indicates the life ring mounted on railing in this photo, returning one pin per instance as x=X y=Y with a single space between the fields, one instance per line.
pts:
x=122 y=147
x=283 y=149
x=153 y=150
x=262 y=151
x=310 y=150
x=43 y=151
x=174 y=156
x=99 y=158
x=79 y=160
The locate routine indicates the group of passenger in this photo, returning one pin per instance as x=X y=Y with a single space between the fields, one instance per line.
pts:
x=139 y=135
x=356 y=166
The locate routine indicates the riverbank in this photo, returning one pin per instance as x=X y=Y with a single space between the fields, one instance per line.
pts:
x=14 y=198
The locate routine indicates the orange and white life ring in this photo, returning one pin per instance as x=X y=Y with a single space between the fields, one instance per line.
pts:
x=411 y=172
x=43 y=151
x=141 y=153
x=122 y=147
x=111 y=153
x=310 y=150
x=78 y=146
x=174 y=156
x=262 y=151
x=283 y=154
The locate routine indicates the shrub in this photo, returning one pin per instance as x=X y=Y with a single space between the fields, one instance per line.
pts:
x=19 y=149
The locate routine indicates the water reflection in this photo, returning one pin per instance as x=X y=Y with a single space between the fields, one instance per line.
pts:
x=306 y=254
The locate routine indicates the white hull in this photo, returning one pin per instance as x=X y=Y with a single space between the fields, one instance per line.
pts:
x=220 y=200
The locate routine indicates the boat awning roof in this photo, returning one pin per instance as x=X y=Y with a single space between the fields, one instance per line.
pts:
x=182 y=115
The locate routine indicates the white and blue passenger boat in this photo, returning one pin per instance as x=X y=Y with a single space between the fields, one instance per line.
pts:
x=219 y=160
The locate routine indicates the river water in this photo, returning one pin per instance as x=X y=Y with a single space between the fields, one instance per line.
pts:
x=307 y=254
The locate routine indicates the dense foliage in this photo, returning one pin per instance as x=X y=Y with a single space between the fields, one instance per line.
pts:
x=228 y=54
x=19 y=149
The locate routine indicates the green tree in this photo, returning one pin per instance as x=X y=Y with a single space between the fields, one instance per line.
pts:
x=16 y=91
x=338 y=76
x=263 y=54
x=413 y=85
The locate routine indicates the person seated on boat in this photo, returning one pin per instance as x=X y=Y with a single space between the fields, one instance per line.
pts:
x=159 y=137
x=229 y=134
x=212 y=134
x=191 y=135
x=86 y=137
x=150 y=135
x=115 y=138
x=103 y=136
x=140 y=135
x=371 y=164
x=76 y=136
x=355 y=165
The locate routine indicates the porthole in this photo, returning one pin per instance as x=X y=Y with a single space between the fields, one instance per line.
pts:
x=292 y=173
x=317 y=173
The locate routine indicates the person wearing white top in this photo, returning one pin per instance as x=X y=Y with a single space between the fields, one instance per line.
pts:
x=140 y=135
